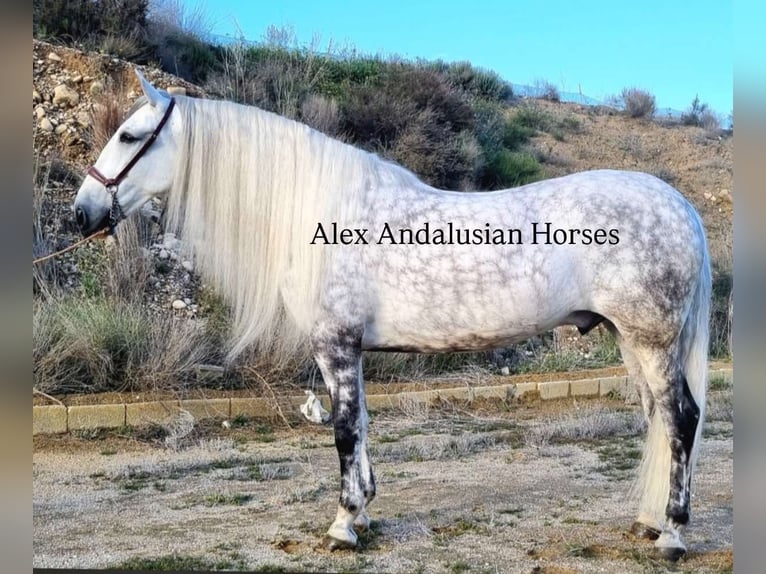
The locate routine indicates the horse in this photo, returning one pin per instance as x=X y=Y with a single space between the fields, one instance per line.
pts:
x=323 y=248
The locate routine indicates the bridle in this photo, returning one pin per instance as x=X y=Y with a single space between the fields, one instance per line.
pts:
x=113 y=184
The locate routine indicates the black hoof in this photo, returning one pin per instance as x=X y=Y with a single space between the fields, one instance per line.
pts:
x=671 y=554
x=641 y=530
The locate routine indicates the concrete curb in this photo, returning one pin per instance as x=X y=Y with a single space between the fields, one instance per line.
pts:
x=56 y=419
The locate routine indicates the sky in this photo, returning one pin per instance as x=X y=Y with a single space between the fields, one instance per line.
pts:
x=675 y=49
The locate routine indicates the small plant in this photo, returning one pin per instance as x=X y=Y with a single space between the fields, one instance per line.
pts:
x=545 y=90
x=700 y=114
x=637 y=103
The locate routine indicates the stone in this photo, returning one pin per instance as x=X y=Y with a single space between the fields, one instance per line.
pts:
x=53 y=57
x=178 y=305
x=188 y=265
x=163 y=254
x=77 y=79
x=176 y=90
x=83 y=119
x=96 y=88
x=46 y=125
x=36 y=97
x=505 y=371
x=64 y=96
x=60 y=129
x=40 y=112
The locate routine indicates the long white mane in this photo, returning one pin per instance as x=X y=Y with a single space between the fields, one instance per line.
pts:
x=249 y=189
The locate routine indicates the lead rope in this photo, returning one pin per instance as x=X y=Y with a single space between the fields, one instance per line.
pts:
x=73 y=246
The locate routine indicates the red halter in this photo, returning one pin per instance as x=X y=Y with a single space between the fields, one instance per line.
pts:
x=113 y=184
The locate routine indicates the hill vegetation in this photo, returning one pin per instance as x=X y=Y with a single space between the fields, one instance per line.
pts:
x=103 y=318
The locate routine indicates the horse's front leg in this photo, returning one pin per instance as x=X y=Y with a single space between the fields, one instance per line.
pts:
x=338 y=352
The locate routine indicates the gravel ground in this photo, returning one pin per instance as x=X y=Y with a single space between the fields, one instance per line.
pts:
x=519 y=489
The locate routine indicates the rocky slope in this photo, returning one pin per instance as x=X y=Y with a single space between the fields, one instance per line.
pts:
x=68 y=85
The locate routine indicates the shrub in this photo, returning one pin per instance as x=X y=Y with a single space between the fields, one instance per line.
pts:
x=699 y=114
x=637 y=103
x=483 y=84
x=77 y=20
x=510 y=169
x=412 y=115
x=547 y=91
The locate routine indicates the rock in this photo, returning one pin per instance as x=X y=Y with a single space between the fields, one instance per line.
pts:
x=46 y=125
x=64 y=96
x=36 y=97
x=188 y=265
x=77 y=79
x=53 y=57
x=60 y=129
x=40 y=112
x=178 y=305
x=83 y=119
x=187 y=301
x=96 y=88
x=505 y=371
x=163 y=254
x=176 y=90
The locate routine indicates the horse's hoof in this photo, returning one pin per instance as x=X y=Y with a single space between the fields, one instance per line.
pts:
x=362 y=523
x=670 y=546
x=672 y=553
x=641 y=530
x=340 y=538
x=333 y=544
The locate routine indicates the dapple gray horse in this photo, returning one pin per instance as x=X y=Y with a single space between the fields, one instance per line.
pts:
x=323 y=247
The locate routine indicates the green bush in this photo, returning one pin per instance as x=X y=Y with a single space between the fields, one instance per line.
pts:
x=411 y=115
x=483 y=84
x=510 y=169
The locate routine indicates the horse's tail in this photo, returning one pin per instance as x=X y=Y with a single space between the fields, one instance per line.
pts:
x=653 y=485
x=695 y=338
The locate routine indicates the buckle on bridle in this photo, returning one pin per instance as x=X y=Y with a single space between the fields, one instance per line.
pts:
x=115 y=211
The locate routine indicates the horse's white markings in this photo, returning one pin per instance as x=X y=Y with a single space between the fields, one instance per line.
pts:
x=249 y=189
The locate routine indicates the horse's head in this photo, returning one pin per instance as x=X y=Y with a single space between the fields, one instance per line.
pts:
x=137 y=163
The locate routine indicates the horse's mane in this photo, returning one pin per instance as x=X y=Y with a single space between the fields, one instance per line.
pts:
x=249 y=189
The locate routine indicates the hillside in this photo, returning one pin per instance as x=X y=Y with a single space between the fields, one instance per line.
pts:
x=73 y=89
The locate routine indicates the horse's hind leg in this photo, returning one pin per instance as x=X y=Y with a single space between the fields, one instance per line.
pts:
x=645 y=526
x=635 y=374
x=338 y=353
x=667 y=465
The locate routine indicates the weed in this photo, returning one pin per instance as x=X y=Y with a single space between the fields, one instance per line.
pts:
x=227 y=499
x=580 y=551
x=180 y=563
x=718 y=383
x=588 y=425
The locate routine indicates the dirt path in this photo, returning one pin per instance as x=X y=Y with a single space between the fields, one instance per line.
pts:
x=516 y=490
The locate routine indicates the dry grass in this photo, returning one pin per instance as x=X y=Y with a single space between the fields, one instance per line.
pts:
x=591 y=423
x=637 y=103
x=107 y=114
x=95 y=345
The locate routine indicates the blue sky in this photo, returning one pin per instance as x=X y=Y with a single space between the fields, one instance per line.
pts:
x=673 y=48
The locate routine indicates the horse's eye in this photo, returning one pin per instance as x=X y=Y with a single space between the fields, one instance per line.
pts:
x=127 y=138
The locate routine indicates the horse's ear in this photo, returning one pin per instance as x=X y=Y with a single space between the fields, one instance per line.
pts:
x=153 y=95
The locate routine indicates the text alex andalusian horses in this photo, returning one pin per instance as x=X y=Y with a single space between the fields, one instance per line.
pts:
x=250 y=191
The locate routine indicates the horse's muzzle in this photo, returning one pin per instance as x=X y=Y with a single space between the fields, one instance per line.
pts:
x=90 y=223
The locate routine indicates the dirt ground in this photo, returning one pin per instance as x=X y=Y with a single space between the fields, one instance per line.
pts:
x=508 y=488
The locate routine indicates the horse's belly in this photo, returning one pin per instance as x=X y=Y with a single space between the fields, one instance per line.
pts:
x=444 y=323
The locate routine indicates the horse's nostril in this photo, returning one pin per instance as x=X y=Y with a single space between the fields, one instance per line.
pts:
x=82 y=219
